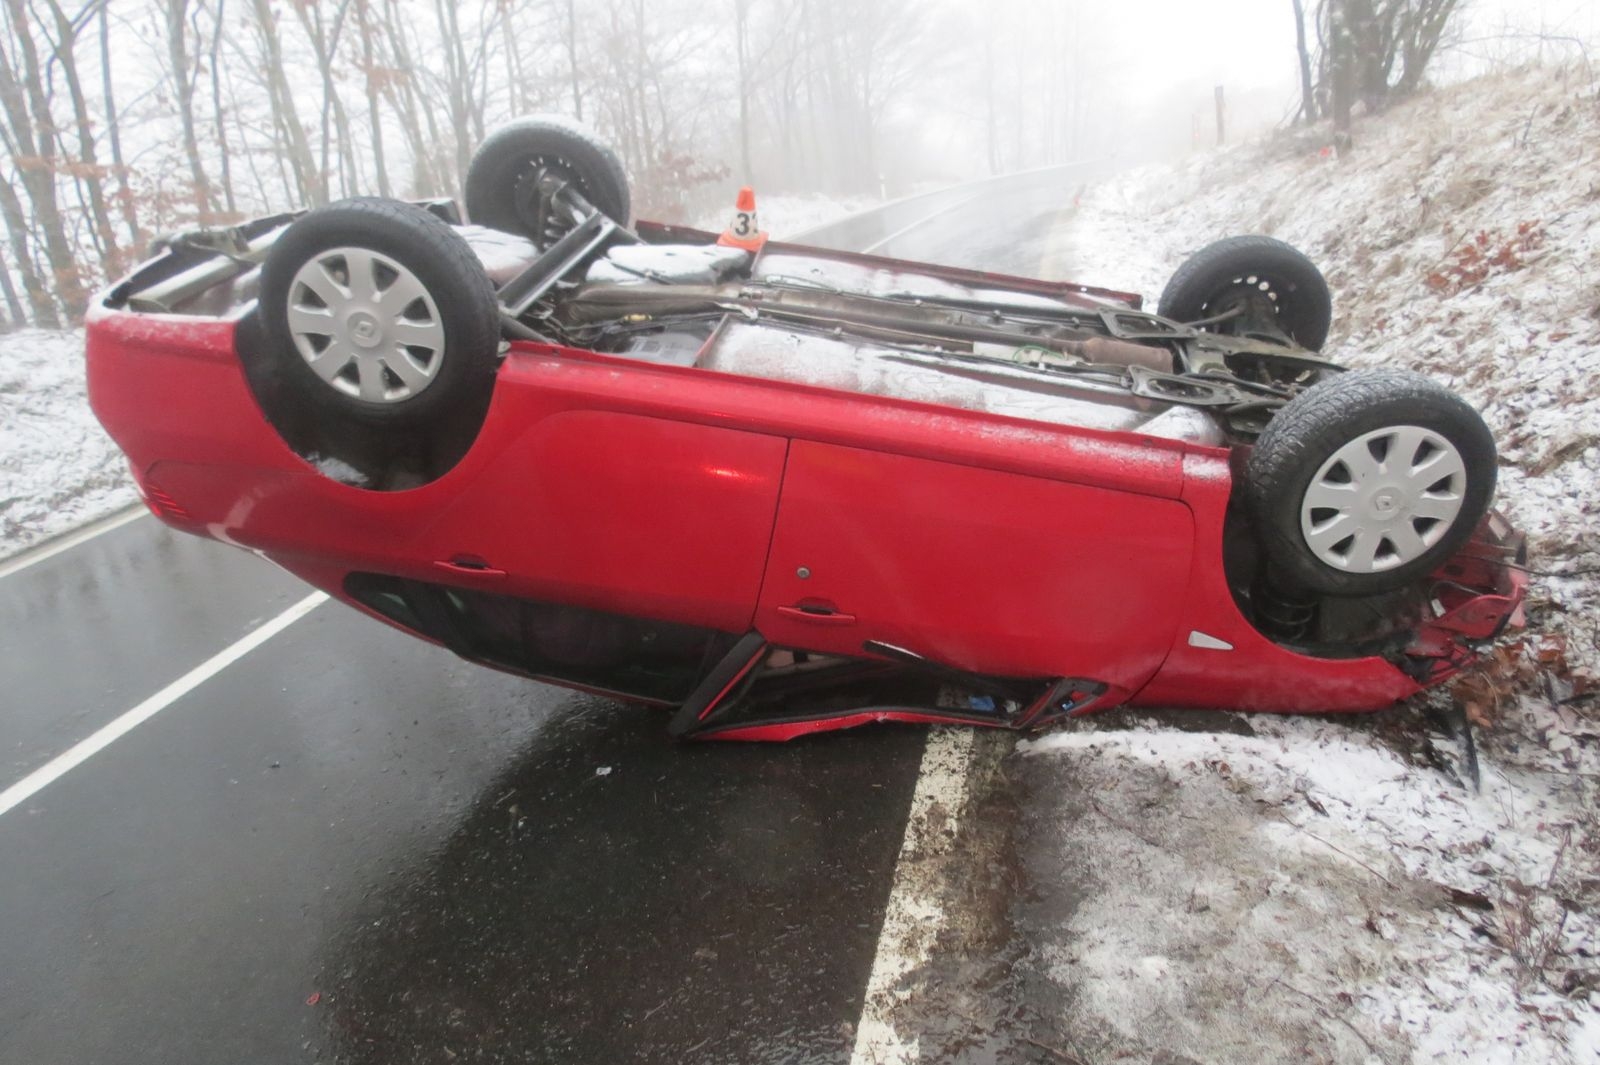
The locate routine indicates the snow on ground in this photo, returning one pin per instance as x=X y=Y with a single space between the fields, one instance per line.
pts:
x=785 y=215
x=1245 y=897
x=1460 y=237
x=58 y=469
x=1261 y=889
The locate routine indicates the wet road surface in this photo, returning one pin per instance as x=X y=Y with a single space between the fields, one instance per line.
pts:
x=351 y=846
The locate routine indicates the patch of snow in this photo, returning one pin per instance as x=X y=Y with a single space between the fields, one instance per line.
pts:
x=683 y=264
x=1299 y=879
x=860 y=366
x=1312 y=893
x=1459 y=237
x=503 y=255
x=339 y=470
x=58 y=469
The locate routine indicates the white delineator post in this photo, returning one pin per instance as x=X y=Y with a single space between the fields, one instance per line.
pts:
x=744 y=228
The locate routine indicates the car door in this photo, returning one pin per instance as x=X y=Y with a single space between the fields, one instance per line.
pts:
x=624 y=513
x=982 y=569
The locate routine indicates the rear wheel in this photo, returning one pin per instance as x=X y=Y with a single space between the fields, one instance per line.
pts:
x=379 y=311
x=1251 y=285
x=502 y=187
x=1368 y=481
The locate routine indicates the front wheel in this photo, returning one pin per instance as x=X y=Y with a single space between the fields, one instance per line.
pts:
x=378 y=311
x=1369 y=480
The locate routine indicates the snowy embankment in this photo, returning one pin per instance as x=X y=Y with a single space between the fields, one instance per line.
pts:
x=1272 y=889
x=58 y=469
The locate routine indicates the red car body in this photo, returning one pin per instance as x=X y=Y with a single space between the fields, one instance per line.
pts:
x=1089 y=563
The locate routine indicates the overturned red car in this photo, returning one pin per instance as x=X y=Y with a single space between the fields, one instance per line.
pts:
x=782 y=489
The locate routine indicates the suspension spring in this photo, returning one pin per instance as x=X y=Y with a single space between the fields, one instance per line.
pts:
x=1282 y=613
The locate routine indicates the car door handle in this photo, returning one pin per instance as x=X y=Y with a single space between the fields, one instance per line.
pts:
x=467 y=566
x=820 y=615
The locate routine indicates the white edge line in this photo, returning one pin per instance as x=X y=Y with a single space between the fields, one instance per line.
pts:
x=68 y=760
x=53 y=547
x=913 y=916
x=977 y=183
x=924 y=220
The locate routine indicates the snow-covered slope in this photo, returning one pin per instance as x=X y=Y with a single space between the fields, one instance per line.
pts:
x=1260 y=890
x=1460 y=236
x=58 y=469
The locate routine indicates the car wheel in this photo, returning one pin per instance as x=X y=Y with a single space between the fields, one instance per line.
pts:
x=1369 y=480
x=379 y=310
x=1244 y=282
x=502 y=179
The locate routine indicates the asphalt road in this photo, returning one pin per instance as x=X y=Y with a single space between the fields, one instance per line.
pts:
x=350 y=846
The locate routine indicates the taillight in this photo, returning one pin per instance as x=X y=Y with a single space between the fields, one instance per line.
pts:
x=162 y=504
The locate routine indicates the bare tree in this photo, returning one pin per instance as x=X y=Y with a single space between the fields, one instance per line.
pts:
x=31 y=143
x=40 y=302
x=324 y=37
x=183 y=75
x=285 y=118
x=1308 y=98
x=218 y=125
x=1376 y=51
x=371 y=76
x=127 y=204
x=86 y=170
x=13 y=304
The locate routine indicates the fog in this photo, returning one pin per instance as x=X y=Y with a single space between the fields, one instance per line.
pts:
x=128 y=118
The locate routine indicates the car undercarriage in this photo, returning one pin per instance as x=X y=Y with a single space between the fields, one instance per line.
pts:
x=800 y=471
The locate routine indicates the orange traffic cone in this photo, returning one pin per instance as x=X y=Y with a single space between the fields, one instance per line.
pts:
x=743 y=230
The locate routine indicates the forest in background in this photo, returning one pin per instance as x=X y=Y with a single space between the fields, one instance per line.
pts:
x=124 y=119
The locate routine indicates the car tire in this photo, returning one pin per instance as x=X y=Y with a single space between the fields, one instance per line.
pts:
x=497 y=186
x=1369 y=480
x=1218 y=275
x=379 y=311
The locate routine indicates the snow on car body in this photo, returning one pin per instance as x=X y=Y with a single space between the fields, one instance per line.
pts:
x=783 y=492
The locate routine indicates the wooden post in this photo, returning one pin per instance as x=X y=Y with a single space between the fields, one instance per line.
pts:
x=1221 y=133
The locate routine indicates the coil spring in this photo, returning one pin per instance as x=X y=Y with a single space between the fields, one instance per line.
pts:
x=1282 y=614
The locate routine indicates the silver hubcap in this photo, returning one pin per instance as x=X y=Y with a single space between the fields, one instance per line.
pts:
x=1383 y=499
x=366 y=325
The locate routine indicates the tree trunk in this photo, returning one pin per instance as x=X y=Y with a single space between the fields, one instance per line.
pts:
x=126 y=202
x=225 y=162
x=281 y=97
x=36 y=159
x=177 y=12
x=572 y=59
x=456 y=83
x=741 y=23
x=1342 y=71
x=43 y=307
x=1308 y=100
x=325 y=43
x=374 y=113
x=90 y=173
x=13 y=304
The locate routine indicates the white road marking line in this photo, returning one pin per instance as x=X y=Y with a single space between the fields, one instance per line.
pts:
x=980 y=184
x=912 y=920
x=64 y=763
x=51 y=548
x=929 y=217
